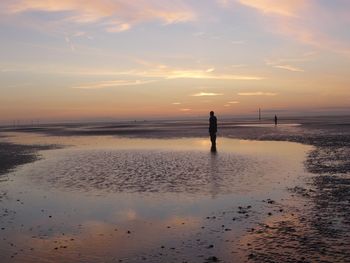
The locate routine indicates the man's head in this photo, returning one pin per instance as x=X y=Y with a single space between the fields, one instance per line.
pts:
x=211 y=113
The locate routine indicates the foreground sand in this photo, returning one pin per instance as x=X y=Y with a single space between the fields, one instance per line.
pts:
x=107 y=199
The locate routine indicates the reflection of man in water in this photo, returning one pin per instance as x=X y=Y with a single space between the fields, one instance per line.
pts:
x=212 y=130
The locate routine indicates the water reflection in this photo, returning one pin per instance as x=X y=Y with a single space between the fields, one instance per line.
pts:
x=214 y=174
x=107 y=198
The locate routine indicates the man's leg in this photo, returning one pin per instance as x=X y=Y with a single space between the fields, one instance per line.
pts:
x=213 y=139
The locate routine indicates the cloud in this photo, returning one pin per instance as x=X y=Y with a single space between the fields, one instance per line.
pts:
x=154 y=70
x=283 y=63
x=176 y=103
x=158 y=70
x=112 y=83
x=280 y=7
x=223 y=3
x=308 y=22
x=288 y=67
x=185 y=110
x=239 y=66
x=70 y=43
x=258 y=93
x=118 y=27
x=204 y=74
x=115 y=16
x=149 y=70
x=202 y=94
x=233 y=102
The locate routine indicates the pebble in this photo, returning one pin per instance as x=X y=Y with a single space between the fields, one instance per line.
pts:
x=213 y=259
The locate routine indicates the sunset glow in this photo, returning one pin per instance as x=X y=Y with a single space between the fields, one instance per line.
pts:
x=116 y=59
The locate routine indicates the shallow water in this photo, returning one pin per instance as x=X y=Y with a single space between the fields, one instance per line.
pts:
x=176 y=198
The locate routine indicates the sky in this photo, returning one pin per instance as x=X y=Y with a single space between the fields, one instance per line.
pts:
x=123 y=59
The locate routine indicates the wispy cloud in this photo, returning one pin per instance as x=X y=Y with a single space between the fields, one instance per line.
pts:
x=257 y=93
x=280 y=7
x=185 y=110
x=117 y=27
x=307 y=22
x=154 y=70
x=70 y=43
x=147 y=71
x=204 y=74
x=281 y=63
x=113 y=83
x=115 y=16
x=176 y=103
x=203 y=94
x=289 y=68
x=233 y=102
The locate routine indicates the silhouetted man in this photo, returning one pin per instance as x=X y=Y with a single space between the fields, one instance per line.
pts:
x=275 y=119
x=212 y=130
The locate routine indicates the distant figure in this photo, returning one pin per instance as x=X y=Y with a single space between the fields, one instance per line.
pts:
x=213 y=128
x=275 y=119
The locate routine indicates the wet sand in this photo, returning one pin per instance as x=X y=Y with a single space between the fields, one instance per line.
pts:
x=156 y=199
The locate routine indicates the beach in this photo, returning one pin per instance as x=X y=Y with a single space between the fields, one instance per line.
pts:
x=151 y=191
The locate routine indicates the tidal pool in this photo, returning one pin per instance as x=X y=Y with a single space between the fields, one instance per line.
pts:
x=113 y=199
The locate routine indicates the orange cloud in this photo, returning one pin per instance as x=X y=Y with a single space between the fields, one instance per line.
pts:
x=280 y=7
x=154 y=70
x=258 y=93
x=297 y=19
x=113 y=83
x=202 y=94
x=117 y=16
x=289 y=68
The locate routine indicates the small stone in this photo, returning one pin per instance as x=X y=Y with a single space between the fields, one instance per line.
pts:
x=213 y=259
x=251 y=256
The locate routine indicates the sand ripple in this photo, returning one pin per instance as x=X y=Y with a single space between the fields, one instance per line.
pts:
x=154 y=171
